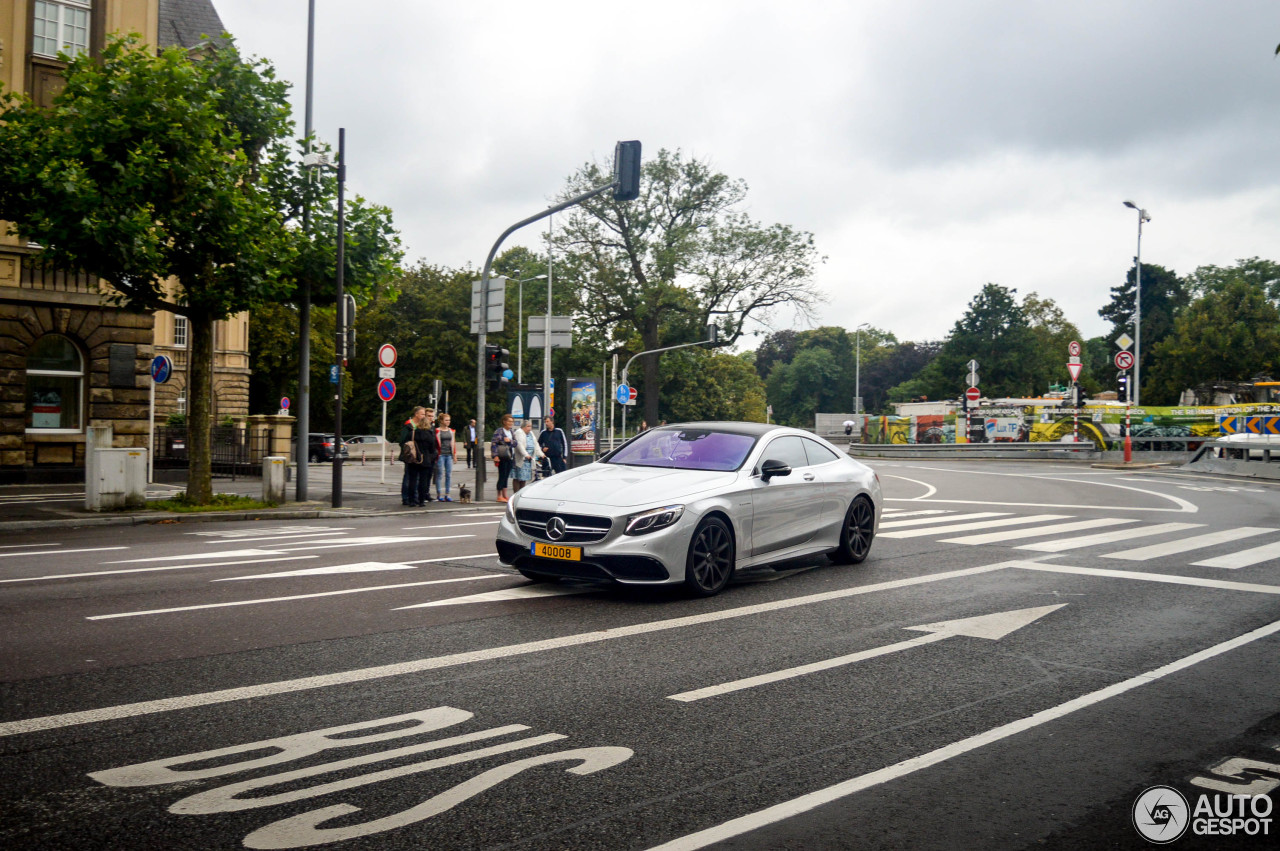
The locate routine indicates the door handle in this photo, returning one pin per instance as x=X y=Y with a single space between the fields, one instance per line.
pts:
x=809 y=477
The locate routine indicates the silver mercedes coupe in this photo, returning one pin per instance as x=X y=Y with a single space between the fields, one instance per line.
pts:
x=693 y=503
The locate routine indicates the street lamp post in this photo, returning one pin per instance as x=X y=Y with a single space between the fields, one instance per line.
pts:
x=1137 y=313
x=520 y=327
x=857 y=369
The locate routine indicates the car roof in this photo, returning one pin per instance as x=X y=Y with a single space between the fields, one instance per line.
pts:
x=753 y=429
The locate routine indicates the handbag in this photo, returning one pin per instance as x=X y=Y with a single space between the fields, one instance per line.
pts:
x=409 y=452
x=505 y=451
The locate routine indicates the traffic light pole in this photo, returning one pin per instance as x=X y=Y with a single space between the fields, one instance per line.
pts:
x=483 y=341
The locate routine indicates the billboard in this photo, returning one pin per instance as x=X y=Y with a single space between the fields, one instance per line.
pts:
x=583 y=410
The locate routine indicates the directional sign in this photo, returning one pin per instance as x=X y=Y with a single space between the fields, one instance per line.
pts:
x=333 y=373
x=623 y=394
x=1124 y=341
x=284 y=403
x=973 y=394
x=386 y=390
x=161 y=369
x=1073 y=348
x=386 y=356
x=1124 y=360
x=1074 y=370
x=972 y=366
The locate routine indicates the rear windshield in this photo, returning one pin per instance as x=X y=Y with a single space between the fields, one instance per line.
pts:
x=686 y=449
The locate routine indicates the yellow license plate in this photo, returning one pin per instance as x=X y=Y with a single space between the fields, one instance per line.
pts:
x=556 y=551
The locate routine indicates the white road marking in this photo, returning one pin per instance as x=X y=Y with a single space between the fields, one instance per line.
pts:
x=1244 y=558
x=450 y=525
x=170 y=704
x=930 y=490
x=291 y=597
x=1197 y=542
x=286 y=538
x=1108 y=537
x=154 y=569
x=61 y=552
x=991 y=627
x=1183 y=505
x=25 y=546
x=965 y=527
x=269 y=530
x=1058 y=529
x=1166 y=578
x=897 y=524
x=474 y=514
x=359 y=567
x=224 y=554
x=521 y=592
x=366 y=542
x=805 y=803
x=451 y=558
x=895 y=513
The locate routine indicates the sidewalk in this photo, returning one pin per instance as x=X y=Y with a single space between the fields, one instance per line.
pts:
x=27 y=507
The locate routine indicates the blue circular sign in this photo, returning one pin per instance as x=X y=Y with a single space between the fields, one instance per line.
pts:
x=161 y=369
x=508 y=374
x=623 y=394
x=284 y=403
x=386 y=389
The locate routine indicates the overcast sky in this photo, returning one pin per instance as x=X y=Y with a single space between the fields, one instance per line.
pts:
x=930 y=147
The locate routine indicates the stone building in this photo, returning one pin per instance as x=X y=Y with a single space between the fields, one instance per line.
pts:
x=67 y=361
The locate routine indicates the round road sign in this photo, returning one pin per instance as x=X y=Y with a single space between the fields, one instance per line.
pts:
x=284 y=403
x=631 y=397
x=972 y=394
x=386 y=355
x=387 y=389
x=624 y=394
x=161 y=369
x=1073 y=349
x=1124 y=360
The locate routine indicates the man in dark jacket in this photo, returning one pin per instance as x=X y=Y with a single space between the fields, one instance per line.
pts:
x=555 y=445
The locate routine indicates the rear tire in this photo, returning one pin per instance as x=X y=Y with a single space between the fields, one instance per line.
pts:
x=710 y=562
x=856 y=533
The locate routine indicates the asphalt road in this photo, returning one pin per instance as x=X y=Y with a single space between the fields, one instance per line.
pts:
x=1029 y=648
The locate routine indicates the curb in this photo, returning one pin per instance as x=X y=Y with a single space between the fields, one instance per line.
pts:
x=156 y=518
x=1120 y=465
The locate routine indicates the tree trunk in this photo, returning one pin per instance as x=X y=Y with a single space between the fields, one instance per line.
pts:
x=649 y=363
x=199 y=388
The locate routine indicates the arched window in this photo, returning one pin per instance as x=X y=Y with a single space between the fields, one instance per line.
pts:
x=55 y=385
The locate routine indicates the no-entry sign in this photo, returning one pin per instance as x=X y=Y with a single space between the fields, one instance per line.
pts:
x=386 y=355
x=972 y=394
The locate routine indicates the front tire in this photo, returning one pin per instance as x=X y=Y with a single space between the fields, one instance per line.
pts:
x=710 y=562
x=857 y=533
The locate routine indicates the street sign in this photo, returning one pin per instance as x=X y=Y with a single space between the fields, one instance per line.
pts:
x=333 y=373
x=161 y=369
x=972 y=366
x=386 y=356
x=1124 y=360
x=284 y=403
x=1073 y=348
x=971 y=379
x=386 y=390
x=1124 y=341
x=386 y=372
x=631 y=400
x=497 y=305
x=561 y=332
x=972 y=394
x=1074 y=369
x=623 y=394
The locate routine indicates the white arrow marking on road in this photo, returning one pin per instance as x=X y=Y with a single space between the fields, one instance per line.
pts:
x=61 y=552
x=360 y=567
x=337 y=543
x=223 y=554
x=992 y=627
x=255 y=561
x=522 y=592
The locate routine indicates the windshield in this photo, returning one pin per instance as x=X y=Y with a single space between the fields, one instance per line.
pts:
x=686 y=449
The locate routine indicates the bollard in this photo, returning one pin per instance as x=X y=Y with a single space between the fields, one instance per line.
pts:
x=273 y=469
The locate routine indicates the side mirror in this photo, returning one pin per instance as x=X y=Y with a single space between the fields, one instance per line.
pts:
x=771 y=468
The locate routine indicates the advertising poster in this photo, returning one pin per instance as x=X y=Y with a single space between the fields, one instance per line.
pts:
x=583 y=404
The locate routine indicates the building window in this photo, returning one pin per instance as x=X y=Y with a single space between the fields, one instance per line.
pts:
x=179 y=331
x=61 y=26
x=55 y=385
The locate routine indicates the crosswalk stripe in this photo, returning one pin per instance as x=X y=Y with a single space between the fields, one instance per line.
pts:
x=895 y=513
x=1244 y=558
x=980 y=524
x=1182 y=545
x=1059 y=529
x=895 y=524
x=1108 y=537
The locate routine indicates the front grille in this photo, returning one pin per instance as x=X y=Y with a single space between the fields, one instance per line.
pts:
x=595 y=568
x=579 y=528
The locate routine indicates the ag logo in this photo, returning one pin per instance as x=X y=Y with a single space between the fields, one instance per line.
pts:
x=1161 y=814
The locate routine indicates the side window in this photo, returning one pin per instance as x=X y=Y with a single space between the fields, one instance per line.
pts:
x=789 y=450
x=818 y=454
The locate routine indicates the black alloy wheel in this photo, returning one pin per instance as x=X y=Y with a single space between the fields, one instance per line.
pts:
x=711 y=558
x=856 y=533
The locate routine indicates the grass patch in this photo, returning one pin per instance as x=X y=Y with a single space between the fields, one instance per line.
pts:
x=221 y=502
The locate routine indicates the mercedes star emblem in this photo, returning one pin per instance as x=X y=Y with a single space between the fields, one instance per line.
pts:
x=555 y=528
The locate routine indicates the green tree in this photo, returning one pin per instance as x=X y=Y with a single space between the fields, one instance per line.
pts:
x=1231 y=333
x=995 y=332
x=698 y=384
x=148 y=168
x=1163 y=296
x=1259 y=273
x=681 y=256
x=1052 y=333
x=892 y=376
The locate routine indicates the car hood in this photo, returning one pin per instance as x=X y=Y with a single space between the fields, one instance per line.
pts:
x=618 y=485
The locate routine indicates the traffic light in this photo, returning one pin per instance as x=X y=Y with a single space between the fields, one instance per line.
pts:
x=1122 y=387
x=626 y=171
x=495 y=364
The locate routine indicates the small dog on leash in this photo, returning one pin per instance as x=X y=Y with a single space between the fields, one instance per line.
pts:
x=464 y=493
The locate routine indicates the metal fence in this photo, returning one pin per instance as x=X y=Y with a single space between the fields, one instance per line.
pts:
x=236 y=452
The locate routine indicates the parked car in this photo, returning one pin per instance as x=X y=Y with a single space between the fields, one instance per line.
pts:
x=371 y=446
x=692 y=504
x=320 y=447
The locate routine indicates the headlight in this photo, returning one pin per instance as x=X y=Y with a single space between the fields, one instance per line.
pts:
x=511 y=509
x=651 y=521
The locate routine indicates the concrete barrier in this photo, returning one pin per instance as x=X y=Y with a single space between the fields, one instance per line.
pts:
x=274 y=468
